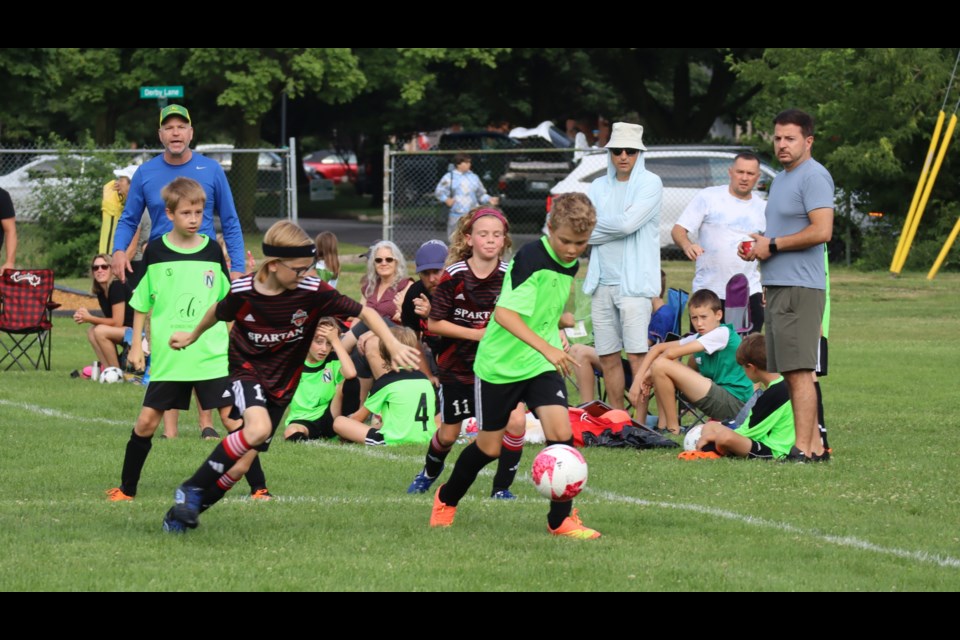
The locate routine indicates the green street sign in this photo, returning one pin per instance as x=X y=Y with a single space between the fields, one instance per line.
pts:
x=153 y=93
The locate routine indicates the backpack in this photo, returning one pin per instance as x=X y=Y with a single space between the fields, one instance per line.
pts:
x=596 y=424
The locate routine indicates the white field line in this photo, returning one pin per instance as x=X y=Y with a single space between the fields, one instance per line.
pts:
x=381 y=453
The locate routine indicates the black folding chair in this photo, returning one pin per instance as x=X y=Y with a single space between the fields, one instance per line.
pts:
x=26 y=318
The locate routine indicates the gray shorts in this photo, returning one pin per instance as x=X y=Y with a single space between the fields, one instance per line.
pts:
x=794 y=316
x=719 y=403
x=619 y=322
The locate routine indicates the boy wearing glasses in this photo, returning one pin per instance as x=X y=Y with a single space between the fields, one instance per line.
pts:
x=462 y=191
x=624 y=272
x=185 y=274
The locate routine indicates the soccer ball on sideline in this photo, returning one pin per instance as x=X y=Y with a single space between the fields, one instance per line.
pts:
x=559 y=472
x=111 y=375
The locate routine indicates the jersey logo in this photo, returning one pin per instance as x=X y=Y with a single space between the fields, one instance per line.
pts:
x=249 y=318
x=299 y=317
x=208 y=279
x=226 y=394
x=459 y=296
x=327 y=375
x=199 y=167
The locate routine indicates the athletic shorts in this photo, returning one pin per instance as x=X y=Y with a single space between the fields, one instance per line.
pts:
x=456 y=402
x=719 y=403
x=322 y=427
x=794 y=317
x=211 y=394
x=247 y=393
x=495 y=402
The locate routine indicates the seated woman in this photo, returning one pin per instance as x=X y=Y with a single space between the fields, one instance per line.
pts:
x=386 y=277
x=106 y=333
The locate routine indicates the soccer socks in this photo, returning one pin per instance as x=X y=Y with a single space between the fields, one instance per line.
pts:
x=820 y=421
x=227 y=451
x=436 y=455
x=215 y=492
x=469 y=464
x=138 y=448
x=559 y=511
x=255 y=477
x=510 y=453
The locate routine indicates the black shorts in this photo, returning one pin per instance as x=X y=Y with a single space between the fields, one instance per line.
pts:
x=211 y=394
x=760 y=451
x=456 y=402
x=495 y=402
x=322 y=427
x=247 y=393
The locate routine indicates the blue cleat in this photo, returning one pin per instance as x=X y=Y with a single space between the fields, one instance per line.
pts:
x=422 y=484
x=503 y=494
x=171 y=524
x=186 y=505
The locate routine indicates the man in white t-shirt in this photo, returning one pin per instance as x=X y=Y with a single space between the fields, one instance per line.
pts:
x=722 y=217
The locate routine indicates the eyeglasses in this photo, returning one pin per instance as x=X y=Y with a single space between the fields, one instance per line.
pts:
x=298 y=271
x=99 y=267
x=616 y=151
x=381 y=260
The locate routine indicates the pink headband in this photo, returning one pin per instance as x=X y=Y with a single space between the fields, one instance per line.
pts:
x=488 y=212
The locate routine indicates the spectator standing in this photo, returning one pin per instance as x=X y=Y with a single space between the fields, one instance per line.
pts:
x=461 y=190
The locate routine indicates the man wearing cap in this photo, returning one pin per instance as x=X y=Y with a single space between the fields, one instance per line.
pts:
x=177 y=160
x=624 y=272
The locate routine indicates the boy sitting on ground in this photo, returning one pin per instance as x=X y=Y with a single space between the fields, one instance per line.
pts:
x=718 y=386
x=768 y=431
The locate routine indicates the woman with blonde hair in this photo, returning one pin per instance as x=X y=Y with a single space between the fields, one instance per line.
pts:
x=106 y=333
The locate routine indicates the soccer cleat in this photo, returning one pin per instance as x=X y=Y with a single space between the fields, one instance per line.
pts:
x=698 y=455
x=209 y=433
x=261 y=494
x=422 y=483
x=572 y=527
x=171 y=524
x=116 y=495
x=442 y=514
x=187 y=502
x=503 y=494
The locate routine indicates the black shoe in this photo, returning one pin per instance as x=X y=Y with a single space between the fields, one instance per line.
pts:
x=823 y=457
x=795 y=455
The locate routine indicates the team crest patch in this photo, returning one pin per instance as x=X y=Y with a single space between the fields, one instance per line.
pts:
x=208 y=277
x=299 y=317
x=327 y=375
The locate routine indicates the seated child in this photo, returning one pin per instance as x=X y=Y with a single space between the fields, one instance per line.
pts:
x=406 y=401
x=768 y=430
x=718 y=386
x=317 y=399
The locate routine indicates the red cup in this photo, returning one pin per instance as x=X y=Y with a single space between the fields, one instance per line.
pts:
x=746 y=246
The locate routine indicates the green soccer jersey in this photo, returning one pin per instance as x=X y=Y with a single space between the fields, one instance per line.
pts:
x=315 y=391
x=407 y=403
x=536 y=286
x=178 y=287
x=771 y=420
x=721 y=367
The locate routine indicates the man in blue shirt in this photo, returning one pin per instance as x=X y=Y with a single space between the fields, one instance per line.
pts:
x=176 y=133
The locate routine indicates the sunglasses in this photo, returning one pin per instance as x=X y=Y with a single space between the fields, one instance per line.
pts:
x=381 y=260
x=616 y=151
x=298 y=271
x=99 y=267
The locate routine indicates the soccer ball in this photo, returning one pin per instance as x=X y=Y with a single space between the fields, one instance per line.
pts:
x=693 y=436
x=559 y=472
x=111 y=375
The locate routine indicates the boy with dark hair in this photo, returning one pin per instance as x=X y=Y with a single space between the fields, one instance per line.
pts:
x=520 y=358
x=768 y=431
x=718 y=386
x=184 y=273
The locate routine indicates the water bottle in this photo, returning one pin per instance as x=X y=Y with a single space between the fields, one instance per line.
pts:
x=95 y=371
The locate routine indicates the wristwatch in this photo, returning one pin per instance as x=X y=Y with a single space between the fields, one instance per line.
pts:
x=773 y=246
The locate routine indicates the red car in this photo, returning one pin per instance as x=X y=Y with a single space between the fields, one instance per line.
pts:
x=330 y=165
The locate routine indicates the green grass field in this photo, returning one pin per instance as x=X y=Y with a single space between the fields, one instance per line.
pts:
x=881 y=516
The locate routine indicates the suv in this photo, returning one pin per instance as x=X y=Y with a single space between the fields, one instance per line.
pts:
x=684 y=170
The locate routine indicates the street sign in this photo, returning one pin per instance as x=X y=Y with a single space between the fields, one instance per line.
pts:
x=153 y=93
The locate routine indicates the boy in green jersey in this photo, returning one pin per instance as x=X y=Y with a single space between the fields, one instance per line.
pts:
x=520 y=358
x=317 y=398
x=185 y=274
x=718 y=386
x=406 y=400
x=768 y=431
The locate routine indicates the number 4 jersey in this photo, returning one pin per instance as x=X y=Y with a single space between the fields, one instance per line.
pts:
x=407 y=403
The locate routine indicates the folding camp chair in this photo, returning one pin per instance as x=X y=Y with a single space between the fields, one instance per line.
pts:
x=26 y=317
x=677 y=299
x=737 y=304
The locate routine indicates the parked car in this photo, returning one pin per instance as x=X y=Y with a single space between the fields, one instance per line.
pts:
x=528 y=179
x=684 y=170
x=21 y=183
x=330 y=165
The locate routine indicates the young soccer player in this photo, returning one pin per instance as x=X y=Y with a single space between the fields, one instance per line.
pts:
x=720 y=388
x=274 y=312
x=405 y=400
x=768 y=431
x=185 y=273
x=462 y=304
x=520 y=358
x=316 y=401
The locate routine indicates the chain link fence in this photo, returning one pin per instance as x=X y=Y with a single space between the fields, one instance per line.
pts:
x=525 y=179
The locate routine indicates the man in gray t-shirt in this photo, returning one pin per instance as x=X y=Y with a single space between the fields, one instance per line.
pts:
x=799 y=221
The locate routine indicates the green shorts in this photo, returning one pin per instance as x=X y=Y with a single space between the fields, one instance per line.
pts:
x=719 y=403
x=793 y=320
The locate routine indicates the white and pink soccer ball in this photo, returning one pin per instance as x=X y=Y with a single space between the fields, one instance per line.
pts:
x=559 y=472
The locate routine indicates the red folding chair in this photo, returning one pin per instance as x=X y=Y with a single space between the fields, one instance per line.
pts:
x=26 y=317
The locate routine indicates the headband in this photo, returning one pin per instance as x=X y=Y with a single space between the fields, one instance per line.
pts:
x=303 y=251
x=488 y=212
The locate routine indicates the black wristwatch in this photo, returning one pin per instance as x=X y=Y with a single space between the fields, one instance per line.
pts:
x=773 y=246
